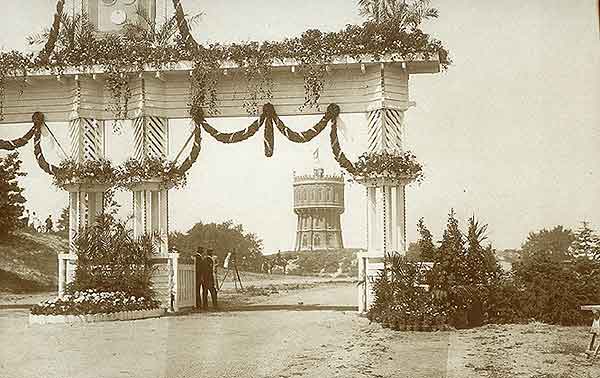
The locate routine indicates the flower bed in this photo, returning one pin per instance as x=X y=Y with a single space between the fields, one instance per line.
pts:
x=92 y=302
x=123 y=315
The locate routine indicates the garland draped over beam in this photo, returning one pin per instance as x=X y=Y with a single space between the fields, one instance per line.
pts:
x=17 y=143
x=234 y=137
x=269 y=118
x=44 y=55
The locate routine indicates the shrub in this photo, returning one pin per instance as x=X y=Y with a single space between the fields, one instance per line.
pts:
x=552 y=291
x=110 y=259
x=401 y=300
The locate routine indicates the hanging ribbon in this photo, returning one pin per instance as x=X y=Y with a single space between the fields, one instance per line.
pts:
x=198 y=118
x=38 y=122
x=338 y=154
x=269 y=137
x=44 y=55
x=184 y=28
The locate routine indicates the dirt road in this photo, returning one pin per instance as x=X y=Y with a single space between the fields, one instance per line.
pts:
x=287 y=344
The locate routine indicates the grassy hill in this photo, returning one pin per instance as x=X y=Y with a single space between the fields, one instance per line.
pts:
x=28 y=261
x=340 y=262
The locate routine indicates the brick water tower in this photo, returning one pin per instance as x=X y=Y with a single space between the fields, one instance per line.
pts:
x=318 y=202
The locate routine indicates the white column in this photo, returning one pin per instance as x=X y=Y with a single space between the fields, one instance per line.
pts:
x=388 y=217
x=363 y=284
x=148 y=211
x=372 y=232
x=151 y=140
x=400 y=219
x=138 y=213
x=174 y=258
x=382 y=233
x=87 y=143
x=73 y=215
x=61 y=276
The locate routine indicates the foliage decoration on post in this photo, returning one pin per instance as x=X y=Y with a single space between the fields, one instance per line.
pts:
x=134 y=171
x=97 y=171
x=392 y=166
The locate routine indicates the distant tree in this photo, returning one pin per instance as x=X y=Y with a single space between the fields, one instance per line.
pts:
x=63 y=221
x=586 y=243
x=399 y=12
x=222 y=238
x=553 y=244
x=11 y=193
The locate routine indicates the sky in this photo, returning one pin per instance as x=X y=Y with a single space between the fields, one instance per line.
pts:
x=509 y=133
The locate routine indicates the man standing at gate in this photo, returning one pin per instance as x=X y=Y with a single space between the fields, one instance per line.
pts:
x=199 y=266
x=208 y=280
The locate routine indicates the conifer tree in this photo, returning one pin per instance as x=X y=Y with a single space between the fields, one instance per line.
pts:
x=425 y=243
x=586 y=243
x=11 y=193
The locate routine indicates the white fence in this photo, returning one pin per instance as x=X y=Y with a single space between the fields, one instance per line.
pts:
x=369 y=268
x=185 y=290
x=66 y=271
x=174 y=279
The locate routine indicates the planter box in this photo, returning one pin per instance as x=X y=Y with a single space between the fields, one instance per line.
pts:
x=68 y=319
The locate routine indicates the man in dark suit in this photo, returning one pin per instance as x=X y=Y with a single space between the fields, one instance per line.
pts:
x=200 y=252
x=208 y=280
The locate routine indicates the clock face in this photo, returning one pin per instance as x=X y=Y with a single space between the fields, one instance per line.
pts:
x=118 y=17
x=109 y=3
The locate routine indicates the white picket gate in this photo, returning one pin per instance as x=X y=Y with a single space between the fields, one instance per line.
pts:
x=186 y=285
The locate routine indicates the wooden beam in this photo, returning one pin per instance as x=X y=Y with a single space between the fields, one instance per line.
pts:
x=357 y=86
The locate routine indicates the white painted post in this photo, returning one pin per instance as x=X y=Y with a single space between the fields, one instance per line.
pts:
x=174 y=257
x=400 y=220
x=61 y=276
x=164 y=221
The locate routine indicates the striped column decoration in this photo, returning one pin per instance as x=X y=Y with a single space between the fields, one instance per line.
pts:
x=87 y=139
x=385 y=130
x=150 y=204
x=151 y=137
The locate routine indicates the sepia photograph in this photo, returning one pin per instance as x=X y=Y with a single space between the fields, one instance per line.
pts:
x=281 y=189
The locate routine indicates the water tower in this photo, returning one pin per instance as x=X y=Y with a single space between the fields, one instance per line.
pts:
x=318 y=202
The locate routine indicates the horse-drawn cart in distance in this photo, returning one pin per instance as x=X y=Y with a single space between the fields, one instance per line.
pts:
x=595 y=330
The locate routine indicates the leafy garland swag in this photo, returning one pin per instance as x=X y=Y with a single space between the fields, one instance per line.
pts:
x=132 y=172
x=313 y=50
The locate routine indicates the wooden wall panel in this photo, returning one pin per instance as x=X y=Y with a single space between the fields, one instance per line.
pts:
x=356 y=88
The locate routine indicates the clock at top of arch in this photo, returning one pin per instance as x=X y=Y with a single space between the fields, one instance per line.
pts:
x=110 y=16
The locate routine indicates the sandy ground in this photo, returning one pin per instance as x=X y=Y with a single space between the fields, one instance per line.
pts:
x=24 y=299
x=286 y=344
